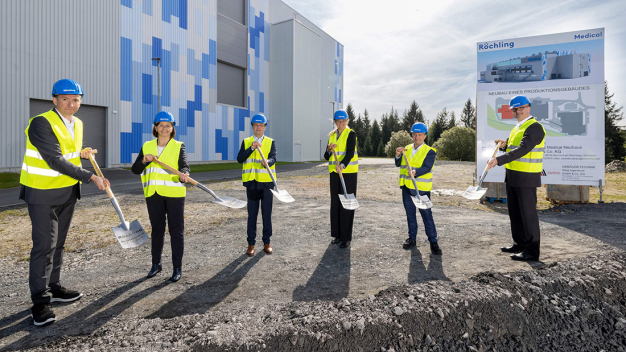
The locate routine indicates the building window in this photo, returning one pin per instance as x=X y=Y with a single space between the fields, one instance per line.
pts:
x=231 y=84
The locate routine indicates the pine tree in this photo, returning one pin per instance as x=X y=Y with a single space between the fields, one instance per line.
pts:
x=385 y=128
x=351 y=115
x=375 y=137
x=452 y=122
x=381 y=149
x=614 y=148
x=411 y=116
x=438 y=126
x=394 y=120
x=468 y=115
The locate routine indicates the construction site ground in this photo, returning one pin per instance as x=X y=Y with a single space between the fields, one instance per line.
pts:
x=313 y=296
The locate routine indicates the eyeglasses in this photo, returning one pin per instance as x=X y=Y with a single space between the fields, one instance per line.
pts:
x=520 y=108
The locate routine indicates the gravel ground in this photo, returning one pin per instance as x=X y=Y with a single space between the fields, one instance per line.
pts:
x=312 y=296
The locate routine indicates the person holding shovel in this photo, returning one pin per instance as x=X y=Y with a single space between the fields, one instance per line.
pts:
x=342 y=140
x=51 y=176
x=524 y=163
x=421 y=159
x=258 y=181
x=165 y=192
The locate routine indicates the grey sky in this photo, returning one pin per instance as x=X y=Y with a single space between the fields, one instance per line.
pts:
x=397 y=51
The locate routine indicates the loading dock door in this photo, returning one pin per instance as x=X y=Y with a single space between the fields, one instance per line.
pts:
x=94 y=127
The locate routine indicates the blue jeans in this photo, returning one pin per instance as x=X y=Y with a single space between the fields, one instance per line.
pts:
x=411 y=216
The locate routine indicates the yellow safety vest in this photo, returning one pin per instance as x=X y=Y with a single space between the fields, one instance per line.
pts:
x=531 y=162
x=157 y=179
x=35 y=171
x=424 y=182
x=353 y=165
x=252 y=168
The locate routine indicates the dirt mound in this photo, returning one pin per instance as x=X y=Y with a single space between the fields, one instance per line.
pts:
x=615 y=166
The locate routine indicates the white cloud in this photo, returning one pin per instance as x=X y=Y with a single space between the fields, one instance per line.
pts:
x=397 y=51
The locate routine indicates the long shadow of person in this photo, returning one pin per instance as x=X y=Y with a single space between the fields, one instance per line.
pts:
x=331 y=278
x=419 y=273
x=203 y=297
x=5 y=322
x=91 y=317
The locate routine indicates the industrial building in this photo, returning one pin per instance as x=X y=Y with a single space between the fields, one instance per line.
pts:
x=215 y=63
x=539 y=67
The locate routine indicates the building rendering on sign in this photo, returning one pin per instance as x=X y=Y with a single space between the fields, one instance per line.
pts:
x=539 y=67
x=218 y=62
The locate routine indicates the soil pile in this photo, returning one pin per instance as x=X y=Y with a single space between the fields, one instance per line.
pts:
x=615 y=166
x=575 y=305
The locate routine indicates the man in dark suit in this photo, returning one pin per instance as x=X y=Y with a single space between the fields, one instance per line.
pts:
x=258 y=181
x=50 y=178
x=524 y=163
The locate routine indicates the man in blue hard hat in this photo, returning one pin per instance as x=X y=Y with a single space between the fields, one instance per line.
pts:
x=258 y=181
x=524 y=163
x=422 y=159
x=51 y=177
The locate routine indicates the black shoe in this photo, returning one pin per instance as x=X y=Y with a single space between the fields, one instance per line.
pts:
x=42 y=314
x=515 y=248
x=409 y=243
x=178 y=272
x=344 y=244
x=335 y=240
x=434 y=248
x=156 y=268
x=65 y=295
x=525 y=257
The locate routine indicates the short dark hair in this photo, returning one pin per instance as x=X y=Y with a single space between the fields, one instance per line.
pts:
x=156 y=134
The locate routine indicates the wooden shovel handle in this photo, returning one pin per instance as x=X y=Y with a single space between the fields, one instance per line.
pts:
x=406 y=160
x=337 y=164
x=193 y=182
x=99 y=173
x=495 y=151
x=263 y=158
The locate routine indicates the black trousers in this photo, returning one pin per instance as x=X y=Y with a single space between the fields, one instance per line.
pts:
x=259 y=195
x=161 y=208
x=50 y=224
x=522 y=205
x=341 y=220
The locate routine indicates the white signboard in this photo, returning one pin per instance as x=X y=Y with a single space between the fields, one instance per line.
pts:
x=563 y=77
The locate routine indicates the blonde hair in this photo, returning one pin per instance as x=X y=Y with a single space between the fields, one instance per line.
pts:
x=335 y=130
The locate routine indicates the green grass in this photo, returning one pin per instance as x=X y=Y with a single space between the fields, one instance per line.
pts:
x=9 y=180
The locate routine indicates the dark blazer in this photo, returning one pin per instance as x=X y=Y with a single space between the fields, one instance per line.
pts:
x=183 y=166
x=244 y=154
x=532 y=136
x=43 y=138
x=350 y=144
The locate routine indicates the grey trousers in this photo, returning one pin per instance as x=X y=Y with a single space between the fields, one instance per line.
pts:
x=50 y=224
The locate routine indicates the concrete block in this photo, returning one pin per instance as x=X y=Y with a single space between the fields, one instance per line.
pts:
x=568 y=193
x=495 y=189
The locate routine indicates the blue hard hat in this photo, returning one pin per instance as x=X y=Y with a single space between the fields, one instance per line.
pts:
x=258 y=118
x=66 y=86
x=518 y=101
x=164 y=116
x=340 y=115
x=419 y=127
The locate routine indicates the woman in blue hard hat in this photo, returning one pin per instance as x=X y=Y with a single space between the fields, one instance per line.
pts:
x=422 y=159
x=343 y=141
x=258 y=181
x=165 y=192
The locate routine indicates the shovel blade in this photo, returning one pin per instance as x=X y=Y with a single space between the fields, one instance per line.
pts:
x=349 y=202
x=422 y=202
x=474 y=193
x=130 y=235
x=231 y=202
x=283 y=196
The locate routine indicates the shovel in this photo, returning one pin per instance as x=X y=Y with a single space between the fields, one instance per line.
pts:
x=225 y=201
x=280 y=194
x=421 y=202
x=129 y=235
x=477 y=192
x=348 y=201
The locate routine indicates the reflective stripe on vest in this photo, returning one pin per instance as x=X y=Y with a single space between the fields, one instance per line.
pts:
x=340 y=150
x=36 y=173
x=252 y=167
x=424 y=182
x=156 y=179
x=531 y=162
